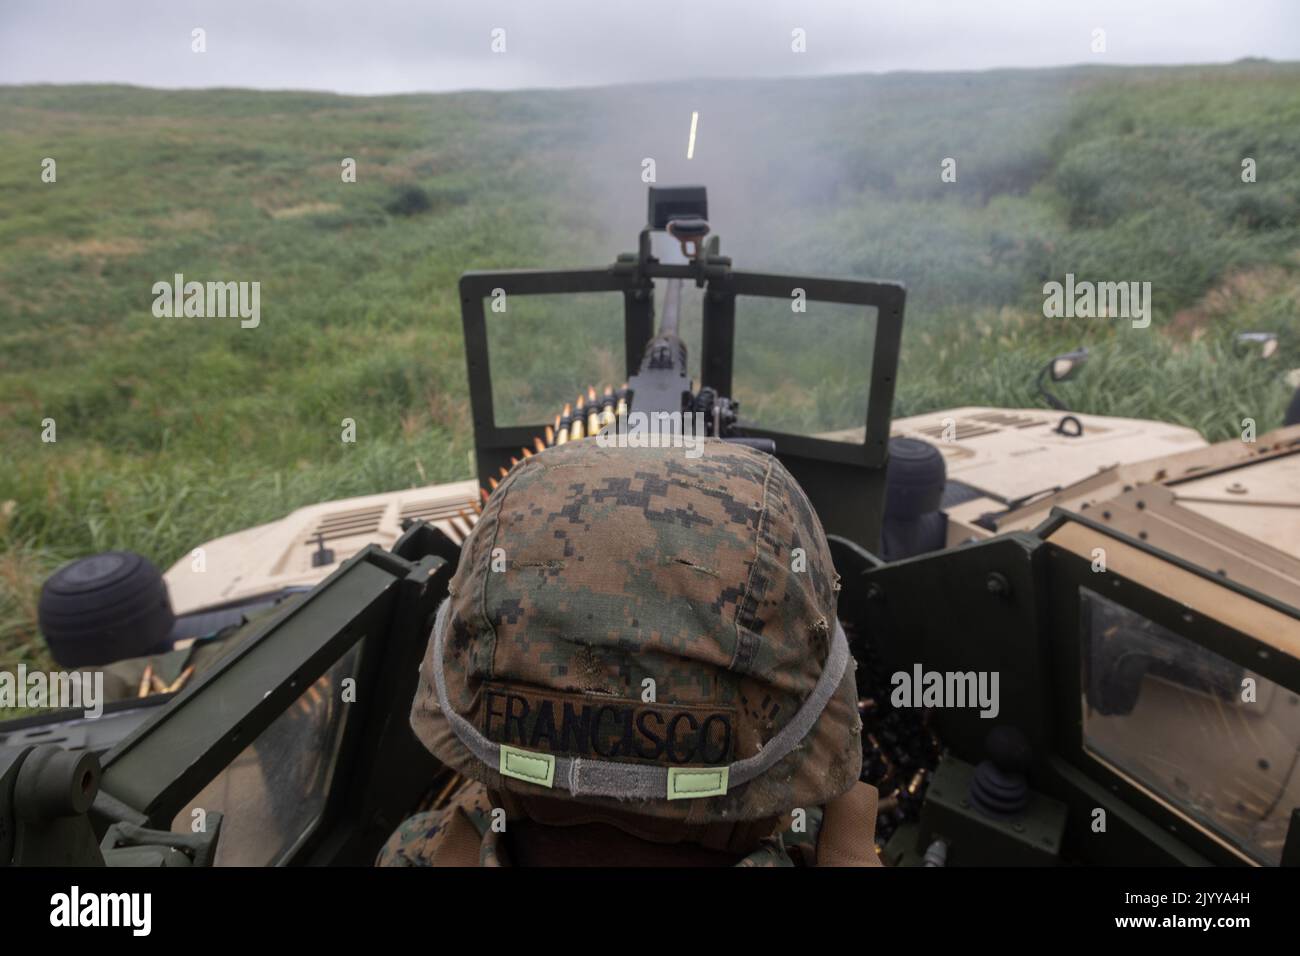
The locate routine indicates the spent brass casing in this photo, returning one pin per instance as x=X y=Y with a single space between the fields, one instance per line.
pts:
x=916 y=782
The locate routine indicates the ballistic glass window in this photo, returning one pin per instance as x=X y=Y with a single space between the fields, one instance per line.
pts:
x=803 y=368
x=842 y=474
x=1218 y=742
x=546 y=348
x=273 y=794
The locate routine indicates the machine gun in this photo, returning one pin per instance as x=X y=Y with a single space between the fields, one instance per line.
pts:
x=661 y=385
x=659 y=404
x=843 y=476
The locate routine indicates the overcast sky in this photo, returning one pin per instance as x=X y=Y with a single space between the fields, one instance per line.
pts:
x=383 y=46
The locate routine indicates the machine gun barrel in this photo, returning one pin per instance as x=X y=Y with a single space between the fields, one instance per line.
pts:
x=661 y=384
x=672 y=309
x=666 y=352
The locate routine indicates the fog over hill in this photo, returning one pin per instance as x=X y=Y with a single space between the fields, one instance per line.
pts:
x=386 y=46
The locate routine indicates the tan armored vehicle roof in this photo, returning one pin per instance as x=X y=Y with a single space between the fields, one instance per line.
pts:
x=278 y=555
x=1232 y=507
x=1010 y=454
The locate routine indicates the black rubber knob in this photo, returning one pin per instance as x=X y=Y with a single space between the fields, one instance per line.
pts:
x=1292 y=416
x=1009 y=750
x=914 y=478
x=105 y=608
x=999 y=786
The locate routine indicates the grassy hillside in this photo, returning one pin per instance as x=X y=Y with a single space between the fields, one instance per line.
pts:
x=172 y=431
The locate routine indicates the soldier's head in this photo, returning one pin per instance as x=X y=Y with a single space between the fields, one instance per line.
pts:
x=645 y=633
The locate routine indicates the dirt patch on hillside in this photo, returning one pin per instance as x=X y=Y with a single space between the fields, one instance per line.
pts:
x=1237 y=292
x=305 y=209
x=97 y=248
x=185 y=220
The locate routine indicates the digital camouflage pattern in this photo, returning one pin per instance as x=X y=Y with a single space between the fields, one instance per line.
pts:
x=461 y=834
x=424 y=839
x=595 y=571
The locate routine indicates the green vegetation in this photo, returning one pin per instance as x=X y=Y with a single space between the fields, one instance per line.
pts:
x=173 y=431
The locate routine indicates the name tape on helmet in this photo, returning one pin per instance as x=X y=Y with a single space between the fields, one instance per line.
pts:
x=574 y=725
x=623 y=781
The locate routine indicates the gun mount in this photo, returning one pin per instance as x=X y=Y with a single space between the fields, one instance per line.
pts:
x=844 y=477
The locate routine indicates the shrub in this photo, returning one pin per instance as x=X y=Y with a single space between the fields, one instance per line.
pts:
x=410 y=201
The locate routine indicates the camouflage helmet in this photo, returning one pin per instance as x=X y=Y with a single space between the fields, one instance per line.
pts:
x=643 y=631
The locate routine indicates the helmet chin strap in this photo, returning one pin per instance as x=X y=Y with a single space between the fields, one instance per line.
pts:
x=607 y=778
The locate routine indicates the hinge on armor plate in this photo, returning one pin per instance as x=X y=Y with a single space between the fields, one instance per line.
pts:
x=126 y=844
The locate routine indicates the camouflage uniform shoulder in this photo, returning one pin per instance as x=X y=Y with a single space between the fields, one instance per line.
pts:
x=794 y=845
x=799 y=838
x=769 y=854
x=423 y=839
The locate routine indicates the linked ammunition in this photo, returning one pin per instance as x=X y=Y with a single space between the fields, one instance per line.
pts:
x=180 y=681
x=578 y=429
x=562 y=429
x=146 y=681
x=607 y=416
x=461 y=524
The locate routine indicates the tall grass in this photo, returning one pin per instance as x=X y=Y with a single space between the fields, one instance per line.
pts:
x=173 y=431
